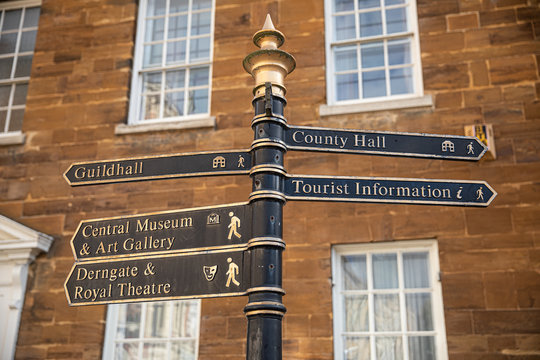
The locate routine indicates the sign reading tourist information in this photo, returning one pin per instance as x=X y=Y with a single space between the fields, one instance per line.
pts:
x=384 y=143
x=389 y=190
x=164 y=277
x=226 y=226
x=159 y=167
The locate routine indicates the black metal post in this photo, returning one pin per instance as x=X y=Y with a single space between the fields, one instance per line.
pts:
x=265 y=309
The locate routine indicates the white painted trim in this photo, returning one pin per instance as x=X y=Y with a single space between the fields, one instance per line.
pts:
x=200 y=123
x=382 y=105
x=19 y=246
x=19 y=4
x=12 y=138
x=391 y=247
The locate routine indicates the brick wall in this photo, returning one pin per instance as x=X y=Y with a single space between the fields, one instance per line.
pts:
x=480 y=64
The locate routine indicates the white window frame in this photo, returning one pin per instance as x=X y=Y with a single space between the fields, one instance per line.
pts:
x=400 y=247
x=388 y=102
x=109 y=344
x=135 y=124
x=15 y=137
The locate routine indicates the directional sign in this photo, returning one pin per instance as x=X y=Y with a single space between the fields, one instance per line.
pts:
x=159 y=167
x=207 y=228
x=389 y=190
x=165 y=277
x=384 y=143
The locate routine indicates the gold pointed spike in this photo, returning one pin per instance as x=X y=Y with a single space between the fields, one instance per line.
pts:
x=268 y=37
x=268 y=24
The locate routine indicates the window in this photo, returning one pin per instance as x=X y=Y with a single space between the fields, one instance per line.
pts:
x=18 y=29
x=153 y=330
x=372 y=50
x=387 y=302
x=172 y=61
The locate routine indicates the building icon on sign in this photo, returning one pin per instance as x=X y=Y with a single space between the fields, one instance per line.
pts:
x=447 y=146
x=218 y=162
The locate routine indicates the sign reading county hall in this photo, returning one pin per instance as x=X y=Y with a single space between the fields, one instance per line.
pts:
x=165 y=277
x=384 y=143
x=389 y=190
x=205 y=228
x=159 y=167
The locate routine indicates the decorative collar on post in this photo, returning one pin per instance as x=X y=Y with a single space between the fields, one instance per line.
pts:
x=269 y=64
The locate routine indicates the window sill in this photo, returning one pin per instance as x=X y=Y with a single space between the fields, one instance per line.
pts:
x=415 y=102
x=12 y=138
x=207 y=122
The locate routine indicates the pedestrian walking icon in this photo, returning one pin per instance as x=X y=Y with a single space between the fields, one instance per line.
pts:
x=480 y=194
x=470 y=149
x=231 y=273
x=233 y=226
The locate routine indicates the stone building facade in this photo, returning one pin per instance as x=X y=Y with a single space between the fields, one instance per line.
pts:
x=477 y=64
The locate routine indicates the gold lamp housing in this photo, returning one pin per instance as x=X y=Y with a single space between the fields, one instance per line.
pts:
x=269 y=64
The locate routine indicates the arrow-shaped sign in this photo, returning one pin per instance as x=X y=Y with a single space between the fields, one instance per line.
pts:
x=384 y=143
x=165 y=232
x=389 y=190
x=159 y=167
x=165 y=277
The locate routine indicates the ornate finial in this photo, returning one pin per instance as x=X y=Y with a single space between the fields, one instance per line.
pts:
x=269 y=64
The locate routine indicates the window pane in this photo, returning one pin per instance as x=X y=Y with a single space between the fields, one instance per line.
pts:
x=152 y=82
x=343 y=5
x=177 y=26
x=372 y=55
x=198 y=77
x=3 y=115
x=198 y=101
x=356 y=348
x=183 y=350
x=155 y=351
x=201 y=4
x=174 y=104
x=373 y=84
x=154 y=29
x=8 y=43
x=155 y=7
x=151 y=107
x=370 y=23
x=401 y=81
x=419 y=314
x=24 y=64
x=129 y=318
x=345 y=59
x=347 y=86
x=399 y=52
x=19 y=97
x=126 y=351
x=386 y=309
x=28 y=41
x=354 y=272
x=385 y=271
x=345 y=27
x=365 y=4
x=31 y=17
x=178 y=5
x=12 y=20
x=176 y=52
x=199 y=49
x=157 y=324
x=176 y=79
x=416 y=270
x=396 y=20
x=5 y=91
x=394 y=2
x=422 y=348
x=16 y=120
x=185 y=320
x=200 y=23
x=5 y=68
x=152 y=55
x=389 y=348
x=356 y=313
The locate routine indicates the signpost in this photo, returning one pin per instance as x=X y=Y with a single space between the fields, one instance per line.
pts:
x=384 y=143
x=165 y=232
x=389 y=190
x=159 y=167
x=163 y=277
x=236 y=249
